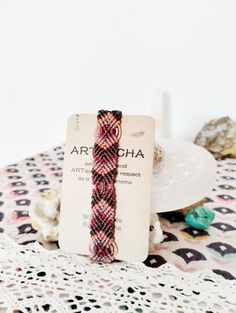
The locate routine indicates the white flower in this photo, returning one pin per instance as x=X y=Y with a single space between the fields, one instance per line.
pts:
x=45 y=214
x=155 y=233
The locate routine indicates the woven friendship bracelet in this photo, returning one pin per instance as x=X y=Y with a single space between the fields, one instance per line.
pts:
x=104 y=171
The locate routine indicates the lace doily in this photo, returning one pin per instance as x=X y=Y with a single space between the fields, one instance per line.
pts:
x=33 y=279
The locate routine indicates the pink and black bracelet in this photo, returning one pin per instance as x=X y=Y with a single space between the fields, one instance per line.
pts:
x=104 y=171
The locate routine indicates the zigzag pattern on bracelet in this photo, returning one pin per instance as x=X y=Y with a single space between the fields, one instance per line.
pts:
x=104 y=171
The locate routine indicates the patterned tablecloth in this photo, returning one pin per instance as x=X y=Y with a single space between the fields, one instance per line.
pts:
x=34 y=279
x=186 y=248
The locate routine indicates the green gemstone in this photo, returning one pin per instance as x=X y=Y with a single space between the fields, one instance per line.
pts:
x=200 y=217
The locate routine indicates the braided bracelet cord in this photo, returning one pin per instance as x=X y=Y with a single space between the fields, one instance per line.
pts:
x=105 y=161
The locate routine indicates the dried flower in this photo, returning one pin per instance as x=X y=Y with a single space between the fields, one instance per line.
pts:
x=45 y=214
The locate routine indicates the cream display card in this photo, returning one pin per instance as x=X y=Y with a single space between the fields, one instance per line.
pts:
x=133 y=186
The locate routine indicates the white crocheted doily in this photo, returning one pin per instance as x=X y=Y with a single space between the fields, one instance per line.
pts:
x=33 y=279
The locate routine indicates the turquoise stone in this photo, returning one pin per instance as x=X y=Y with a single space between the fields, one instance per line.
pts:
x=200 y=217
